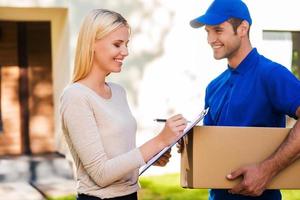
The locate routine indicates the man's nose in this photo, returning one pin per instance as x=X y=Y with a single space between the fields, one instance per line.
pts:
x=211 y=38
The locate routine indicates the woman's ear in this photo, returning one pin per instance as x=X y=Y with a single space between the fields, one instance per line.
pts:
x=243 y=28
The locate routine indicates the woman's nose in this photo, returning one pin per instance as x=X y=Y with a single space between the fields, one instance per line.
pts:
x=124 y=51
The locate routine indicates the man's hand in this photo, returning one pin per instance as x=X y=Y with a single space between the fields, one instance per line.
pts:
x=164 y=159
x=255 y=178
x=180 y=146
x=254 y=182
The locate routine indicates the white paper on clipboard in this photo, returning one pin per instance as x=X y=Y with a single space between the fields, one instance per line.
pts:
x=186 y=130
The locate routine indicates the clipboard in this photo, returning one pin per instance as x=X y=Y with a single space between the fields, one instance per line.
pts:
x=197 y=119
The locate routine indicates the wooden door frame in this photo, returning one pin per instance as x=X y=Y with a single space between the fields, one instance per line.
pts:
x=61 y=68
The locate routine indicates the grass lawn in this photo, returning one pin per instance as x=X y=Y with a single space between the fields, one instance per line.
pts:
x=70 y=197
x=166 y=187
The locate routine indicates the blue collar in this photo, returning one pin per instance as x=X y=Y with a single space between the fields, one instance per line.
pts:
x=247 y=63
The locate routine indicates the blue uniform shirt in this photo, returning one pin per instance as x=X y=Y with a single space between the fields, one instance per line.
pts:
x=258 y=93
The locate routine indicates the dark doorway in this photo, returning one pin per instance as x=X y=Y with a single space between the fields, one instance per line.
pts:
x=26 y=88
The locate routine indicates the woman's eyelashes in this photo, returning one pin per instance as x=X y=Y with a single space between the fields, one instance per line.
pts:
x=117 y=45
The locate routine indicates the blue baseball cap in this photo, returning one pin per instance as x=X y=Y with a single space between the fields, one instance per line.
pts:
x=220 y=11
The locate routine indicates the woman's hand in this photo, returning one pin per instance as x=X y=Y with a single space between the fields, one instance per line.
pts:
x=173 y=129
x=171 y=132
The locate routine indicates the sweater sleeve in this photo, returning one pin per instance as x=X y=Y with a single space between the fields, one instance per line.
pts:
x=84 y=136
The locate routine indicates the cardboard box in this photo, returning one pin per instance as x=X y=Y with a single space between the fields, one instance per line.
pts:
x=210 y=153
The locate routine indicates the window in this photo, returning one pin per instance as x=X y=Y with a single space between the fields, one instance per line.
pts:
x=283 y=47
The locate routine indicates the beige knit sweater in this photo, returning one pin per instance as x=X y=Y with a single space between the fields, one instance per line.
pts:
x=101 y=137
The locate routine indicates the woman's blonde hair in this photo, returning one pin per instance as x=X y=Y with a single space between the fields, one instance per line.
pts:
x=97 y=24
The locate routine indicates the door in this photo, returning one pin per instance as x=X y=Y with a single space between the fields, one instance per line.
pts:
x=26 y=88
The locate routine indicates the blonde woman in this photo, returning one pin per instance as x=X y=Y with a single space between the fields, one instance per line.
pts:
x=96 y=120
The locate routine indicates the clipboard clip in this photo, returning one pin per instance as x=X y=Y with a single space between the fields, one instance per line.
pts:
x=205 y=111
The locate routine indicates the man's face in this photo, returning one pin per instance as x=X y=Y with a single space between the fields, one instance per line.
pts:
x=223 y=40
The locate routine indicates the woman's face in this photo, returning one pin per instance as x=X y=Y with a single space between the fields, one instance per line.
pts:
x=111 y=50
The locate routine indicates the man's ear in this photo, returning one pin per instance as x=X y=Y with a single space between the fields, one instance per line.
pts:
x=243 y=28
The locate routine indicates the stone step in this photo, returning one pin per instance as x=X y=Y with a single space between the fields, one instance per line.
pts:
x=47 y=189
x=35 y=177
x=19 y=191
x=34 y=168
x=55 y=188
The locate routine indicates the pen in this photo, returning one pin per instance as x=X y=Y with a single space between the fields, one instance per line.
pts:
x=160 y=120
x=163 y=120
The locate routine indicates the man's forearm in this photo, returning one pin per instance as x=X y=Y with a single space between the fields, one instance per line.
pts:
x=286 y=153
